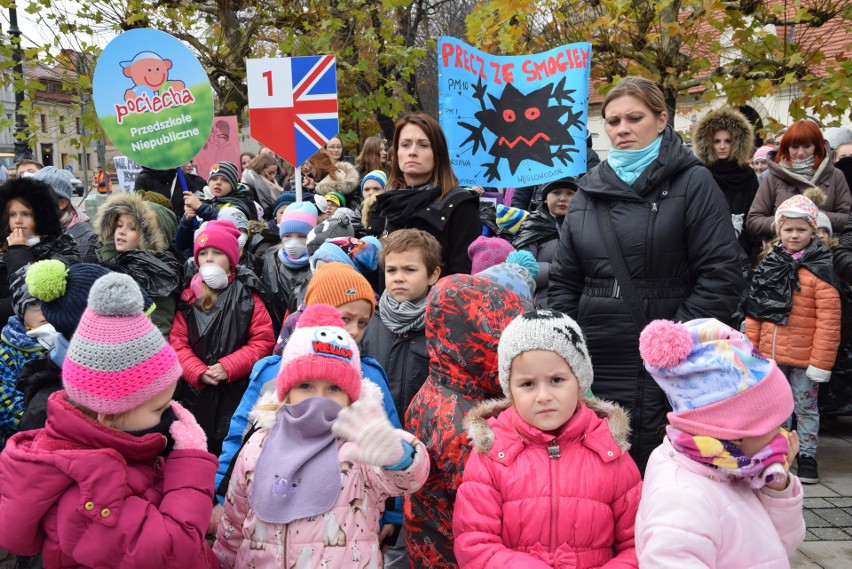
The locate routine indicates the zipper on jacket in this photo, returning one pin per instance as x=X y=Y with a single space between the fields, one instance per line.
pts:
x=554 y=498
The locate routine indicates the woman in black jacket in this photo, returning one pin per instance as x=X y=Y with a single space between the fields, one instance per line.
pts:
x=426 y=194
x=673 y=231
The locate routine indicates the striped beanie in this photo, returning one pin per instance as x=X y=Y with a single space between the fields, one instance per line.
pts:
x=510 y=218
x=117 y=360
x=299 y=217
x=377 y=175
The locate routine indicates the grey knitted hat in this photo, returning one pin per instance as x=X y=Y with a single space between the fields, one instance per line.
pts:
x=336 y=226
x=57 y=181
x=227 y=170
x=547 y=330
x=235 y=216
x=823 y=222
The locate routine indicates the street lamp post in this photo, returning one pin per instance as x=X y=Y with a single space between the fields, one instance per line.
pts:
x=22 y=147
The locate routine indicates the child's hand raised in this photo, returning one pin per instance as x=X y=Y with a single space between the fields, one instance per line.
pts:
x=191 y=200
x=365 y=423
x=185 y=430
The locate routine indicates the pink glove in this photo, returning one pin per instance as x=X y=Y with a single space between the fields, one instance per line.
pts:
x=366 y=424
x=185 y=431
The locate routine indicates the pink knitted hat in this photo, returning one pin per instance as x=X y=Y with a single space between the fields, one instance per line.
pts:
x=117 y=360
x=320 y=349
x=762 y=153
x=718 y=384
x=222 y=235
x=486 y=252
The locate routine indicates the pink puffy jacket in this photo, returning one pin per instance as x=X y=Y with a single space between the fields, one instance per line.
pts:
x=695 y=516
x=84 y=495
x=520 y=507
x=346 y=537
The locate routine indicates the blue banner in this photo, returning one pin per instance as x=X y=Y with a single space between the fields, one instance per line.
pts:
x=514 y=121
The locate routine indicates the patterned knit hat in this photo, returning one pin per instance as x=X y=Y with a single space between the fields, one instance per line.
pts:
x=299 y=218
x=320 y=349
x=117 y=359
x=485 y=252
x=361 y=254
x=510 y=218
x=335 y=226
x=337 y=284
x=377 y=175
x=797 y=207
x=227 y=170
x=517 y=274
x=762 y=153
x=222 y=235
x=550 y=331
x=336 y=199
x=58 y=182
x=21 y=297
x=235 y=216
x=716 y=381
x=63 y=292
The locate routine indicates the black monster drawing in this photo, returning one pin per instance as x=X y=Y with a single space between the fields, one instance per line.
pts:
x=526 y=126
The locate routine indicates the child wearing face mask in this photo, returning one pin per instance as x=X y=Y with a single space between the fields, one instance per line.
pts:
x=287 y=266
x=793 y=316
x=119 y=476
x=546 y=434
x=135 y=242
x=310 y=485
x=221 y=329
x=718 y=492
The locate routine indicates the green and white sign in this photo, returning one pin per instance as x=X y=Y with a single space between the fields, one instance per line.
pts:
x=153 y=98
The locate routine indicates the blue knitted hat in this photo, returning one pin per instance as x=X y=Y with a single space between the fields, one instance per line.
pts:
x=299 y=218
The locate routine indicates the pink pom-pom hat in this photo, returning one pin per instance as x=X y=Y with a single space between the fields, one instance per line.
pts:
x=718 y=384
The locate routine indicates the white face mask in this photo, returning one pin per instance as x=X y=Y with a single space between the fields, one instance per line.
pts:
x=213 y=275
x=241 y=240
x=294 y=248
x=33 y=240
x=45 y=335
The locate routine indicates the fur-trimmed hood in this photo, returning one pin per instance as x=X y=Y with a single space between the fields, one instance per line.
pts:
x=346 y=182
x=482 y=436
x=726 y=118
x=151 y=237
x=40 y=198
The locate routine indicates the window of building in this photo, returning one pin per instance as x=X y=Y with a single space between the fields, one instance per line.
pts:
x=77 y=124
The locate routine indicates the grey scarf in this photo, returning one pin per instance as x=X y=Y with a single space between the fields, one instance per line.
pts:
x=804 y=168
x=402 y=317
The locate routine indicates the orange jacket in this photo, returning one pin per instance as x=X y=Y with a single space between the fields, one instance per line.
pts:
x=811 y=335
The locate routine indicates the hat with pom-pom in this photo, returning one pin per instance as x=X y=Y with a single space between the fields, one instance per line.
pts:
x=546 y=330
x=797 y=207
x=716 y=381
x=517 y=274
x=117 y=359
x=486 y=252
x=320 y=349
x=510 y=218
x=63 y=291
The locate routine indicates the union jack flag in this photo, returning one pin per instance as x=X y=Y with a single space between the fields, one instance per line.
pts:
x=293 y=104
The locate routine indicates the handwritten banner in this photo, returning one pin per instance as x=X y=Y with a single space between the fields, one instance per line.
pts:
x=126 y=171
x=513 y=121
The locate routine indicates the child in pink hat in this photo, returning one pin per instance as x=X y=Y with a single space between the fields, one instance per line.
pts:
x=120 y=475
x=310 y=484
x=793 y=315
x=718 y=491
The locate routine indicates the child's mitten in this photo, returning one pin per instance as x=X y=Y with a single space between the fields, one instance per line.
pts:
x=818 y=375
x=185 y=430
x=366 y=424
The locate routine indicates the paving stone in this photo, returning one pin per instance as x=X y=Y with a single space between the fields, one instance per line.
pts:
x=831 y=534
x=812 y=503
x=812 y=520
x=828 y=554
x=818 y=491
x=809 y=536
x=844 y=502
x=836 y=517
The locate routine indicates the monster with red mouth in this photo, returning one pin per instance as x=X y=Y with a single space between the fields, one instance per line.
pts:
x=527 y=127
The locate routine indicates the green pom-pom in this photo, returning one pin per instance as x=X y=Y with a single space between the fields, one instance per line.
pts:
x=47 y=280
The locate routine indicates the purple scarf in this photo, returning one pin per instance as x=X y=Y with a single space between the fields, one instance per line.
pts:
x=769 y=464
x=298 y=472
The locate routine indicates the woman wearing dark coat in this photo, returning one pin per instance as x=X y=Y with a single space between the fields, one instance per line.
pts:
x=425 y=193
x=673 y=230
x=723 y=141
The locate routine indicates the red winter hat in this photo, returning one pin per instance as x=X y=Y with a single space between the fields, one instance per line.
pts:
x=222 y=235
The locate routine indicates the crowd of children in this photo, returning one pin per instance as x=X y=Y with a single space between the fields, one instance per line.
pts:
x=269 y=386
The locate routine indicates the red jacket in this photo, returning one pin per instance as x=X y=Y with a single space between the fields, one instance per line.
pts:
x=238 y=363
x=84 y=495
x=518 y=507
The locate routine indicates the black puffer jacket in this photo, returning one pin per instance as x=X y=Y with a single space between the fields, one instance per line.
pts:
x=678 y=243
